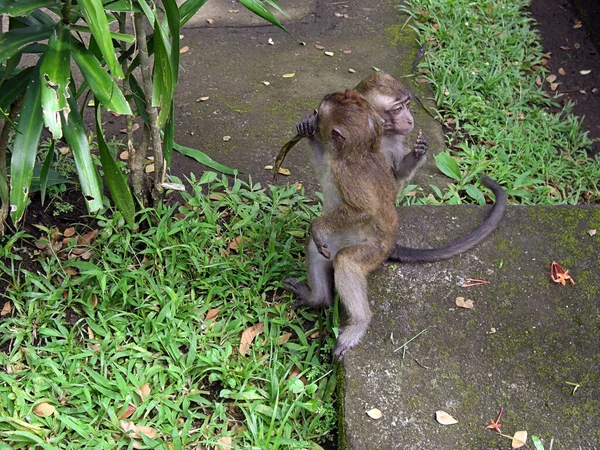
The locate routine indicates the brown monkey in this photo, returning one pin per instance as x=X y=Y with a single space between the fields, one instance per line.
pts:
x=357 y=229
x=391 y=99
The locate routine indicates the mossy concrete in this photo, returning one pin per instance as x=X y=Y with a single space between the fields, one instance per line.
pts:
x=229 y=59
x=524 y=340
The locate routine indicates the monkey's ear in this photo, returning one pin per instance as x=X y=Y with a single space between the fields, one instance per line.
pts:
x=337 y=138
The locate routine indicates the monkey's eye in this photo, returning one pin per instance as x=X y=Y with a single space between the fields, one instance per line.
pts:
x=397 y=109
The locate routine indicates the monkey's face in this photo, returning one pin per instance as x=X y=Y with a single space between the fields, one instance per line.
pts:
x=396 y=113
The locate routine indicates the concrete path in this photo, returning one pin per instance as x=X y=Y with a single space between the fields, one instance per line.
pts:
x=229 y=59
x=525 y=339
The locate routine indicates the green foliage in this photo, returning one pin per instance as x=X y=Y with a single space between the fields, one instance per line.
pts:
x=501 y=117
x=85 y=336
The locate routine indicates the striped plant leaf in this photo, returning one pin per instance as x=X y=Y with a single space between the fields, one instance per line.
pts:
x=15 y=40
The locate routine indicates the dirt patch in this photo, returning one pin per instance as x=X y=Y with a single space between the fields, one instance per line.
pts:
x=571 y=48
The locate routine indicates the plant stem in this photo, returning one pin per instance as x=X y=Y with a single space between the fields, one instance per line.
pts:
x=146 y=69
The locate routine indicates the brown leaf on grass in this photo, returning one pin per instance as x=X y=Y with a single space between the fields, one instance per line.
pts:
x=236 y=243
x=6 y=309
x=144 y=391
x=217 y=196
x=44 y=409
x=128 y=412
x=444 y=418
x=93 y=301
x=284 y=338
x=212 y=314
x=134 y=431
x=88 y=237
x=294 y=372
x=124 y=155
x=224 y=443
x=519 y=439
x=461 y=302
x=69 y=232
x=63 y=150
x=41 y=244
x=248 y=336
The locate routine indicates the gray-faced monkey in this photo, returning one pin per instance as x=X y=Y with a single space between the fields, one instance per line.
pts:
x=357 y=229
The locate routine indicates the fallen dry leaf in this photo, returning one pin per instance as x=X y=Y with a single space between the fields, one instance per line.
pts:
x=298 y=186
x=519 y=439
x=63 y=150
x=184 y=49
x=212 y=314
x=329 y=53
x=235 y=243
x=134 y=431
x=226 y=138
x=284 y=338
x=551 y=78
x=210 y=21
x=565 y=48
x=233 y=11
x=374 y=413
x=248 y=336
x=44 y=409
x=319 y=47
x=585 y=72
x=351 y=70
x=538 y=80
x=347 y=52
x=144 y=391
x=270 y=41
x=592 y=232
x=462 y=303
x=577 y=25
x=69 y=232
x=225 y=443
x=128 y=412
x=554 y=86
x=266 y=83
x=149 y=168
x=124 y=155
x=202 y=99
x=6 y=309
x=289 y=75
x=217 y=196
x=562 y=71
x=283 y=171
x=444 y=418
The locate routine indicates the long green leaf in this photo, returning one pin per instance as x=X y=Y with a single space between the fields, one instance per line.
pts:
x=23 y=7
x=173 y=18
x=204 y=159
x=95 y=16
x=113 y=35
x=15 y=40
x=119 y=190
x=188 y=9
x=169 y=136
x=55 y=74
x=122 y=6
x=257 y=7
x=25 y=147
x=12 y=88
x=45 y=170
x=448 y=165
x=75 y=135
x=101 y=83
x=162 y=86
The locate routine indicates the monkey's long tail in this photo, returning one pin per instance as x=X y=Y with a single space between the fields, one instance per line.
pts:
x=411 y=255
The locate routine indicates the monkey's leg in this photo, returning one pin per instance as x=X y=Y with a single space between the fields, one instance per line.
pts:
x=318 y=293
x=411 y=162
x=351 y=266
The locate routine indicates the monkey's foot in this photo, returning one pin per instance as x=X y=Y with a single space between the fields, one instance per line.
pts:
x=306 y=126
x=348 y=338
x=421 y=146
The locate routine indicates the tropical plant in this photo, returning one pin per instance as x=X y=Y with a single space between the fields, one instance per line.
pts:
x=93 y=34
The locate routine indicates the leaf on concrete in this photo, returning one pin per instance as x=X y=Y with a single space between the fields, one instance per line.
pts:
x=202 y=99
x=329 y=53
x=319 y=47
x=374 y=413
x=444 y=418
x=585 y=72
x=289 y=75
x=519 y=439
x=248 y=336
x=461 y=302
x=226 y=138
x=184 y=49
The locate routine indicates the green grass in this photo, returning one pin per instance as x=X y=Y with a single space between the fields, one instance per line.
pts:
x=85 y=336
x=482 y=60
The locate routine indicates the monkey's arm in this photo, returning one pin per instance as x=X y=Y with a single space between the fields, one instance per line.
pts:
x=405 y=169
x=306 y=126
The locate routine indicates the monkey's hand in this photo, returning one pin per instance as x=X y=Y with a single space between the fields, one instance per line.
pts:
x=319 y=238
x=306 y=126
x=421 y=145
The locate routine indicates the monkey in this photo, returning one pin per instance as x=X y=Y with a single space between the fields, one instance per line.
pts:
x=391 y=99
x=357 y=229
